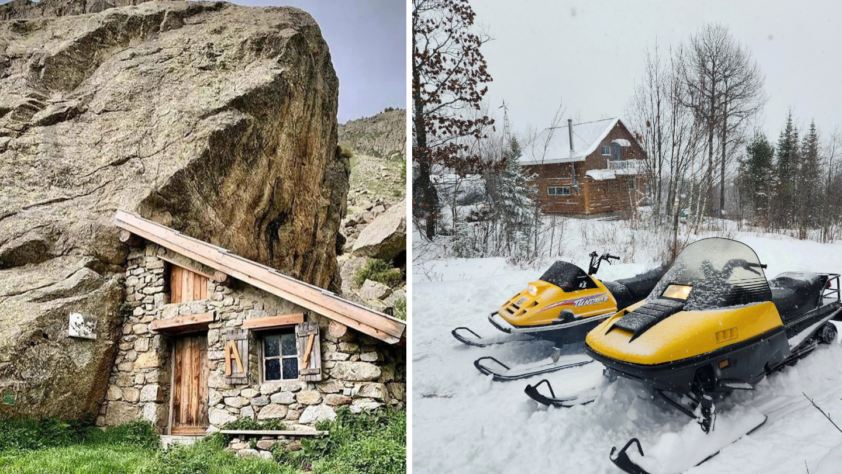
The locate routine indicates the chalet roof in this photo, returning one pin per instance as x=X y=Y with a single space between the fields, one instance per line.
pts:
x=319 y=300
x=586 y=137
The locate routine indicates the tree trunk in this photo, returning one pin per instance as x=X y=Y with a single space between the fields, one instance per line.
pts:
x=428 y=194
x=722 y=164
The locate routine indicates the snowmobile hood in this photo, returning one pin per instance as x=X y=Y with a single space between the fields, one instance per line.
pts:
x=683 y=334
x=552 y=305
x=714 y=295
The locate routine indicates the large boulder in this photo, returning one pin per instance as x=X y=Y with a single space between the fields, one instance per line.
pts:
x=214 y=119
x=385 y=237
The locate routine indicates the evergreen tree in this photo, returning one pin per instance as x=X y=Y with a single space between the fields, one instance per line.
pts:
x=808 y=181
x=758 y=177
x=515 y=202
x=788 y=168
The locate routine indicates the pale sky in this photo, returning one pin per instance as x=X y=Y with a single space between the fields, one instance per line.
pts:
x=589 y=54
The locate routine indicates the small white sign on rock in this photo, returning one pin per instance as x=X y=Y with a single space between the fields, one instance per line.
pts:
x=81 y=326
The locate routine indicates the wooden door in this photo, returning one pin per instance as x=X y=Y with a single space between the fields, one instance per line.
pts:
x=187 y=286
x=190 y=385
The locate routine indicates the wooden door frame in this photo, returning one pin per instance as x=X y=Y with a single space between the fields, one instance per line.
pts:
x=173 y=340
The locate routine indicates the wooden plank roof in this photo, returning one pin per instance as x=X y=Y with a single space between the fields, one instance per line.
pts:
x=319 y=300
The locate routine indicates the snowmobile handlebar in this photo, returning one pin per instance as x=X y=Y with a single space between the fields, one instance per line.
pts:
x=597 y=259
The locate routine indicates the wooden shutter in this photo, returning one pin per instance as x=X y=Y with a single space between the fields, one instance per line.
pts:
x=187 y=286
x=309 y=351
x=236 y=346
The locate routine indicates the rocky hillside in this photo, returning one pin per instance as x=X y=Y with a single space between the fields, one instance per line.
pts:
x=206 y=117
x=375 y=225
x=381 y=136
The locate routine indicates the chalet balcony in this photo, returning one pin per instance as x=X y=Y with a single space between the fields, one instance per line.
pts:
x=626 y=166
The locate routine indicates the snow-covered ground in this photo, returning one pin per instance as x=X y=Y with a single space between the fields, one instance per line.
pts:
x=464 y=422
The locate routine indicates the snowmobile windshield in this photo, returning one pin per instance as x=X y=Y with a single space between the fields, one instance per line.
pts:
x=568 y=277
x=719 y=273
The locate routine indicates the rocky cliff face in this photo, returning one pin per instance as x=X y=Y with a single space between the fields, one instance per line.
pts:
x=25 y=9
x=213 y=119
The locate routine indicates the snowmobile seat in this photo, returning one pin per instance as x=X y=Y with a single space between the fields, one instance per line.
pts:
x=641 y=285
x=796 y=293
x=621 y=294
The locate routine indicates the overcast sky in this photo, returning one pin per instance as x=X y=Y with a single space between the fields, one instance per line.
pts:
x=367 y=40
x=590 y=54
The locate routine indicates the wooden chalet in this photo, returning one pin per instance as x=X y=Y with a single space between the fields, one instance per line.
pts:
x=587 y=168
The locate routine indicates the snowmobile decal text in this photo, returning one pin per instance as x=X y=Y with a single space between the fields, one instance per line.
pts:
x=578 y=302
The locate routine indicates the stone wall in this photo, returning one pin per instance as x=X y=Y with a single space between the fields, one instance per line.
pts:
x=357 y=370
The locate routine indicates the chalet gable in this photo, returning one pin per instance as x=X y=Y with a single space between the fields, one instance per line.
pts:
x=586 y=140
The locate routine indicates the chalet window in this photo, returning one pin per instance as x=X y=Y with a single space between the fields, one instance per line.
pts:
x=558 y=190
x=280 y=356
x=631 y=185
x=606 y=150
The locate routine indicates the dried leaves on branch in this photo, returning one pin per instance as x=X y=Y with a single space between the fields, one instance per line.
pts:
x=448 y=73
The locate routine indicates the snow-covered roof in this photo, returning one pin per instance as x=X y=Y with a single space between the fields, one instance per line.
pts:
x=600 y=175
x=586 y=137
x=621 y=142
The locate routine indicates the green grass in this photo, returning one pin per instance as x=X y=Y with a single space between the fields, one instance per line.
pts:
x=373 y=443
x=368 y=443
x=379 y=271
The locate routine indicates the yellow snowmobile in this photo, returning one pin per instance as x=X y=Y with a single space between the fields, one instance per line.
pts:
x=562 y=306
x=714 y=324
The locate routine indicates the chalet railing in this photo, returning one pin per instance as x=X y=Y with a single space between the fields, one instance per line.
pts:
x=628 y=166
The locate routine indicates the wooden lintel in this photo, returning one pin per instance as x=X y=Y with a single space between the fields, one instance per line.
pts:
x=183 y=324
x=271 y=322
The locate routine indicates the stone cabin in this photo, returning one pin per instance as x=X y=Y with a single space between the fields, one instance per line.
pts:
x=209 y=337
x=587 y=168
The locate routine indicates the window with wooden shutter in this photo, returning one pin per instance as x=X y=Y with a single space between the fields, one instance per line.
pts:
x=310 y=351
x=187 y=286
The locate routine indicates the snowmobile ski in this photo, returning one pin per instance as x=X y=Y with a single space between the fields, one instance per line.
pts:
x=521 y=372
x=707 y=446
x=552 y=400
x=478 y=341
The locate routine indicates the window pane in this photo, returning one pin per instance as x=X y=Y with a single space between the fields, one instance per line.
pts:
x=270 y=346
x=291 y=368
x=288 y=344
x=273 y=369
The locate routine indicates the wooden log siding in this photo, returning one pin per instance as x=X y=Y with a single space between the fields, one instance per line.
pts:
x=365 y=320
